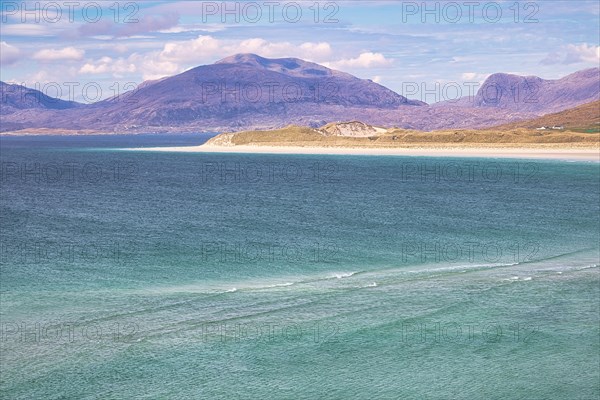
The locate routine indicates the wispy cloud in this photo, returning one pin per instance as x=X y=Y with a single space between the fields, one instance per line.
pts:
x=573 y=54
x=8 y=54
x=364 y=60
x=146 y=24
x=117 y=67
x=68 y=53
x=370 y=40
x=474 y=77
x=26 y=30
x=178 y=55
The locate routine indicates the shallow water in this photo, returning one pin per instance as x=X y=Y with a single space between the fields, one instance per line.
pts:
x=164 y=275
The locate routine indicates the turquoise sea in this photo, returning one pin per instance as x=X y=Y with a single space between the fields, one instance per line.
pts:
x=141 y=275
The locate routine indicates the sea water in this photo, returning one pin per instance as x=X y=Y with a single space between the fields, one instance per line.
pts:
x=134 y=274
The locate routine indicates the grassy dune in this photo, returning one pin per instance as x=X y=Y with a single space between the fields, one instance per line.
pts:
x=306 y=137
x=581 y=131
x=585 y=119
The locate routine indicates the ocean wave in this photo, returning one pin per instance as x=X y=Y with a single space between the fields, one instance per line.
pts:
x=462 y=268
x=587 y=267
x=517 y=278
x=342 y=275
x=315 y=281
x=281 y=284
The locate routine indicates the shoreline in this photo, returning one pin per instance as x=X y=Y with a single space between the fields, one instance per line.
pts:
x=570 y=154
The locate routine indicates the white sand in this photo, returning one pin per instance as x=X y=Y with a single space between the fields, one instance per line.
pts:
x=486 y=152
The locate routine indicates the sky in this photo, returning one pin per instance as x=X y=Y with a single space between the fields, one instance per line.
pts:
x=427 y=50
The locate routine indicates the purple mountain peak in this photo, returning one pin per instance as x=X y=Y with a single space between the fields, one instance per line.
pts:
x=288 y=66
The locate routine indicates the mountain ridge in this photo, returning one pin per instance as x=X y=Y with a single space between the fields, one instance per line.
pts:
x=247 y=91
x=535 y=94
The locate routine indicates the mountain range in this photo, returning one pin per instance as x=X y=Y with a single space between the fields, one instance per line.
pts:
x=536 y=95
x=246 y=91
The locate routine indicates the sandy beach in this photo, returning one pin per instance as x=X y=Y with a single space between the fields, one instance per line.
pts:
x=550 y=153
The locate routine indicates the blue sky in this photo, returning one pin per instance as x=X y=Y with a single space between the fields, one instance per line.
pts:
x=426 y=50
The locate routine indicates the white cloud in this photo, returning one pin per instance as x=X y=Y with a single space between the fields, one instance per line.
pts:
x=137 y=37
x=138 y=26
x=584 y=53
x=205 y=48
x=364 y=60
x=308 y=51
x=573 y=54
x=194 y=28
x=68 y=53
x=315 y=51
x=178 y=56
x=120 y=48
x=175 y=57
x=50 y=80
x=23 y=29
x=153 y=67
x=104 y=65
x=189 y=50
x=376 y=79
x=8 y=54
x=474 y=77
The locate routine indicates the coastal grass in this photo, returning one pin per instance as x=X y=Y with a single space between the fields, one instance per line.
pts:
x=578 y=127
x=397 y=138
x=583 y=119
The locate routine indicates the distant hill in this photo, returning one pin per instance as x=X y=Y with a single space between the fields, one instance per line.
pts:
x=584 y=118
x=534 y=94
x=247 y=89
x=241 y=91
x=249 y=92
x=21 y=107
x=17 y=97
